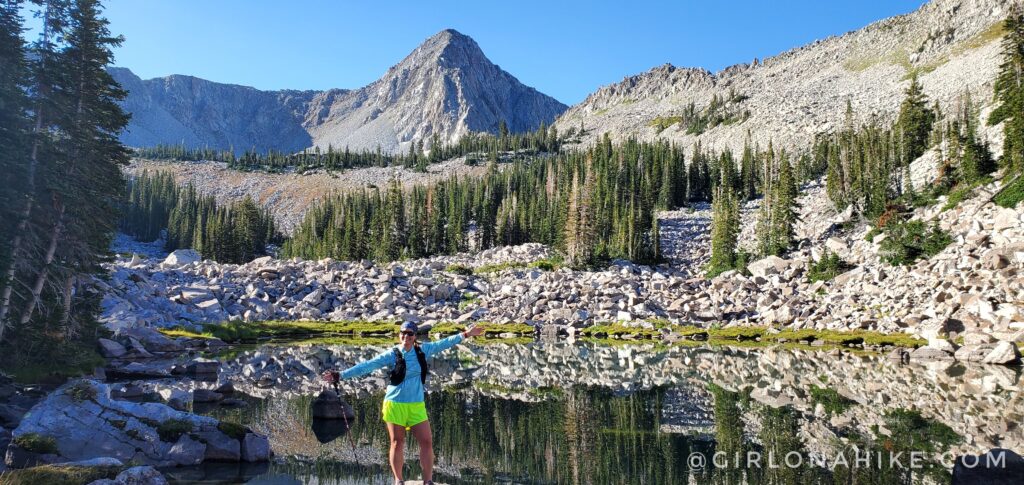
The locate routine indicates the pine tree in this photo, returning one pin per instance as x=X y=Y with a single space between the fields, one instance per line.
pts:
x=14 y=146
x=1009 y=91
x=579 y=234
x=84 y=189
x=975 y=157
x=914 y=123
x=784 y=209
x=44 y=77
x=748 y=172
x=834 y=181
x=725 y=227
x=763 y=230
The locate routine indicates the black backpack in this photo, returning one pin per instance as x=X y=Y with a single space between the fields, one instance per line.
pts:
x=398 y=372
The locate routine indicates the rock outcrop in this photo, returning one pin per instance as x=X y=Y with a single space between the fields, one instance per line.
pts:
x=80 y=421
x=446 y=87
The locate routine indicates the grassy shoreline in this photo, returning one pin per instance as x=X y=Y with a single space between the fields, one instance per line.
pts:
x=744 y=336
x=243 y=332
x=748 y=335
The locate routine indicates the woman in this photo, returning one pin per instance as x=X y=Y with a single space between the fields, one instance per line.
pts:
x=404 y=409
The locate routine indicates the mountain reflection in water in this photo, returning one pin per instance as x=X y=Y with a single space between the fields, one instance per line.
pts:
x=782 y=407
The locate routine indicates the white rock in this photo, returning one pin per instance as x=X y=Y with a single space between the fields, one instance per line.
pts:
x=181 y=257
x=1003 y=353
x=770 y=265
x=1005 y=219
x=837 y=246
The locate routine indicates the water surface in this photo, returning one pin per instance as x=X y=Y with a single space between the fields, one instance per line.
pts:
x=591 y=413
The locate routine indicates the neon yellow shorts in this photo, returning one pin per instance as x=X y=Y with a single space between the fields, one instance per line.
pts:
x=406 y=414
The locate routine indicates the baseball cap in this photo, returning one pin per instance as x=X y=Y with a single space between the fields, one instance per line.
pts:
x=408 y=327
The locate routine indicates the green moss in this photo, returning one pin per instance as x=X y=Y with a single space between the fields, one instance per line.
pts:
x=548 y=264
x=176 y=332
x=57 y=474
x=796 y=339
x=497 y=268
x=545 y=391
x=134 y=434
x=482 y=340
x=617 y=330
x=659 y=323
x=892 y=340
x=233 y=430
x=118 y=423
x=233 y=332
x=36 y=443
x=467 y=301
x=447 y=328
x=350 y=340
x=737 y=333
x=172 y=429
x=81 y=391
x=690 y=331
x=1011 y=194
x=833 y=402
x=847 y=338
x=491 y=329
x=459 y=269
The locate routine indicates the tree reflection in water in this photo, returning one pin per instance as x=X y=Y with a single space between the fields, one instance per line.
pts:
x=579 y=435
x=487 y=433
x=583 y=435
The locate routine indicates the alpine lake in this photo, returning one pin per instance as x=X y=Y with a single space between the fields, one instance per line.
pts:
x=611 y=412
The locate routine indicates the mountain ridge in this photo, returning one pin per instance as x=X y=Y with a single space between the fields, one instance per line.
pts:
x=792 y=96
x=445 y=87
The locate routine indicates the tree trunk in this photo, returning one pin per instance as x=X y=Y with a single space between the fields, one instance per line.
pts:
x=68 y=292
x=51 y=249
x=58 y=226
x=30 y=184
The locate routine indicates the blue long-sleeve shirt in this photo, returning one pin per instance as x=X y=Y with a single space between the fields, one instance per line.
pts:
x=411 y=389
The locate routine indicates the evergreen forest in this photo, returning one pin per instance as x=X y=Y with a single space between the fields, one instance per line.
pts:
x=158 y=207
x=60 y=178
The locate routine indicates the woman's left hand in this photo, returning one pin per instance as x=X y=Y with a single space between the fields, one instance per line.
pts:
x=473 y=331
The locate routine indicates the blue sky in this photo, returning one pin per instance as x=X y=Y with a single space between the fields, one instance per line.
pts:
x=566 y=49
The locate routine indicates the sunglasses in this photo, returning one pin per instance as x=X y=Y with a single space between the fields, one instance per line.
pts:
x=408 y=334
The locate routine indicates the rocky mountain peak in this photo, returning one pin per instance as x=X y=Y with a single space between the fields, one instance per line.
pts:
x=445 y=87
x=451 y=48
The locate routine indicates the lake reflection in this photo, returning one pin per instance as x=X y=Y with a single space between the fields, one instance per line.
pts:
x=586 y=413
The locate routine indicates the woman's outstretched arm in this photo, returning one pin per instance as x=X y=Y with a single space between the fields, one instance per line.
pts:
x=382 y=360
x=431 y=348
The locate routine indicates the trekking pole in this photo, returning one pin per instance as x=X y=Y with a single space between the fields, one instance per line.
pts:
x=344 y=416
